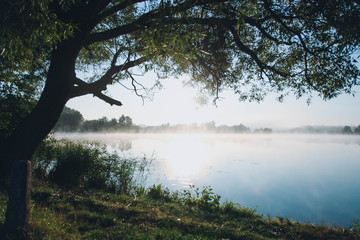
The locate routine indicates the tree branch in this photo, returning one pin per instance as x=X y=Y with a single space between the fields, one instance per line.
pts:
x=108 y=78
x=212 y=21
x=118 y=7
x=83 y=88
x=133 y=82
x=145 y=21
x=253 y=55
x=107 y=99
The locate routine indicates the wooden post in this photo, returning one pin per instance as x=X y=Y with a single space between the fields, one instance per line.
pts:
x=18 y=207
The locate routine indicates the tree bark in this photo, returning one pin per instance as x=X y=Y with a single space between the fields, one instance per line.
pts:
x=18 y=211
x=39 y=123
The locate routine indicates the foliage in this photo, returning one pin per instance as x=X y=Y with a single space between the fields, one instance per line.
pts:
x=28 y=33
x=103 y=124
x=204 y=198
x=357 y=130
x=88 y=165
x=347 y=130
x=70 y=120
x=355 y=228
x=158 y=192
x=12 y=110
x=249 y=47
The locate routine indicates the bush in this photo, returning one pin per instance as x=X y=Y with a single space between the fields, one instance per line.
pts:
x=88 y=165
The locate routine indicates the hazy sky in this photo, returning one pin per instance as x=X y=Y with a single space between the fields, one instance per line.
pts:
x=176 y=104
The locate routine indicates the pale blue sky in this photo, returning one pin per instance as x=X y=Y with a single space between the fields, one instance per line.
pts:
x=175 y=104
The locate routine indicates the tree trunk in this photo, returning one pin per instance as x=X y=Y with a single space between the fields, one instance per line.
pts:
x=38 y=124
x=18 y=211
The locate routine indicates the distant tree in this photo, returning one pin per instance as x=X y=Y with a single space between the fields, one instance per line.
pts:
x=357 y=130
x=103 y=124
x=210 y=126
x=128 y=122
x=125 y=121
x=241 y=129
x=347 y=130
x=122 y=121
x=267 y=130
x=263 y=130
x=97 y=125
x=112 y=124
x=70 y=120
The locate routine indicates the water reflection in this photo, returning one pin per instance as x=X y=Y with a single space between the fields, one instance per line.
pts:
x=309 y=178
x=186 y=156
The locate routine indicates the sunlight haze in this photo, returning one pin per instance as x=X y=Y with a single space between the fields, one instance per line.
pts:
x=176 y=104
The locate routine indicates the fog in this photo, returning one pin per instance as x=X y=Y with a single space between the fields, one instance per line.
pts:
x=306 y=177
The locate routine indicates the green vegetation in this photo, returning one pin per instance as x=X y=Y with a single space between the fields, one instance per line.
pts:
x=72 y=120
x=58 y=213
x=87 y=206
x=88 y=165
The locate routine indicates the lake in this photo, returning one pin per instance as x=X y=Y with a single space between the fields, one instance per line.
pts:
x=307 y=178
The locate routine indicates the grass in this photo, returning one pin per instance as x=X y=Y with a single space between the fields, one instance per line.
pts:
x=155 y=213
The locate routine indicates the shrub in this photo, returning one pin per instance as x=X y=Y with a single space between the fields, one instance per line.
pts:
x=88 y=165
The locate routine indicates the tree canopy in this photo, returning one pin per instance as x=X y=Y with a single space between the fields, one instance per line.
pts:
x=250 y=47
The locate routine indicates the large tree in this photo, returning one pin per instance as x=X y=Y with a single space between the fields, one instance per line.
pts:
x=252 y=47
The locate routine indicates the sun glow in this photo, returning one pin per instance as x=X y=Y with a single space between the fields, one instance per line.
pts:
x=187 y=155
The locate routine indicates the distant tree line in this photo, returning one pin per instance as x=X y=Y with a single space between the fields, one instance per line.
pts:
x=263 y=130
x=72 y=121
x=327 y=130
x=348 y=130
x=204 y=127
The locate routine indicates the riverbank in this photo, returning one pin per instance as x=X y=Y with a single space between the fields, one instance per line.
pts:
x=155 y=213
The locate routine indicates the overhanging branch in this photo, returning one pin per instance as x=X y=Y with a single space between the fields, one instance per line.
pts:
x=83 y=88
x=109 y=76
x=107 y=99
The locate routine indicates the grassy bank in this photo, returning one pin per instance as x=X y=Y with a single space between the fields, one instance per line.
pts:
x=155 y=214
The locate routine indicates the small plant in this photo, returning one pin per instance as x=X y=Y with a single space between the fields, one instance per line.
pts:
x=155 y=192
x=355 y=228
x=140 y=191
x=205 y=198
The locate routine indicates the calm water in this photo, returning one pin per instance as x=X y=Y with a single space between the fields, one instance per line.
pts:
x=308 y=178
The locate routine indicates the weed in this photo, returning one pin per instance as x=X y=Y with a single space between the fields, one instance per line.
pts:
x=204 y=198
x=155 y=192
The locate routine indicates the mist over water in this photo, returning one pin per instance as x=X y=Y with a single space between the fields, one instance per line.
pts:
x=307 y=178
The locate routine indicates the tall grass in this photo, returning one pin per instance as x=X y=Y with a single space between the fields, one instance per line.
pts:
x=89 y=165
